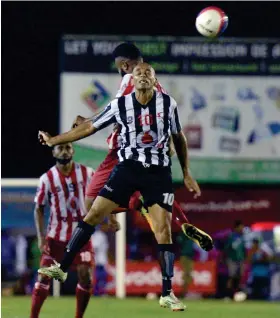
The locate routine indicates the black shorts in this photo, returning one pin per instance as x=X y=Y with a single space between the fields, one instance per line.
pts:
x=154 y=183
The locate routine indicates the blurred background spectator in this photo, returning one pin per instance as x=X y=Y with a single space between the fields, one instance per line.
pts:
x=259 y=262
x=8 y=255
x=187 y=254
x=235 y=254
x=34 y=260
x=101 y=245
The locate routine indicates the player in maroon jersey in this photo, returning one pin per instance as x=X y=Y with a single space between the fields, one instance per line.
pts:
x=63 y=188
x=127 y=56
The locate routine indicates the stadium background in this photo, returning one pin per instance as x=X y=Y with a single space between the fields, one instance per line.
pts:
x=32 y=53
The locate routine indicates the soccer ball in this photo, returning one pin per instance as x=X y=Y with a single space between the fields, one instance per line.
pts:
x=239 y=296
x=211 y=22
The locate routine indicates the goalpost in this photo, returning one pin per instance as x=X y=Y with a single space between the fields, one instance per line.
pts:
x=121 y=257
x=120 y=240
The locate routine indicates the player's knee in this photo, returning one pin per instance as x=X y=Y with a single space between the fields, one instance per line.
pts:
x=100 y=209
x=95 y=215
x=85 y=276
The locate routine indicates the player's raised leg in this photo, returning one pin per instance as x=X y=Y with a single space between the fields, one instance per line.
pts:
x=136 y=204
x=101 y=208
x=179 y=218
x=201 y=238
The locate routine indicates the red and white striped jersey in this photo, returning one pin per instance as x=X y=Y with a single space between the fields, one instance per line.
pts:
x=126 y=87
x=66 y=198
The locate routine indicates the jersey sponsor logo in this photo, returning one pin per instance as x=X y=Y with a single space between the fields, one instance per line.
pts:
x=72 y=187
x=147 y=139
x=130 y=119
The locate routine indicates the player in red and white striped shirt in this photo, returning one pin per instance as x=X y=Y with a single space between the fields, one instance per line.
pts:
x=63 y=188
x=127 y=56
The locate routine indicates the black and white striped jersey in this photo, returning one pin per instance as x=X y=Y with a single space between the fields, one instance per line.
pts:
x=145 y=130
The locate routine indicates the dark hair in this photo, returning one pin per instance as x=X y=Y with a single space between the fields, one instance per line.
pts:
x=237 y=223
x=127 y=50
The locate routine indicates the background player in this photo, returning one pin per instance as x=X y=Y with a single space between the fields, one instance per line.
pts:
x=145 y=165
x=63 y=188
x=126 y=57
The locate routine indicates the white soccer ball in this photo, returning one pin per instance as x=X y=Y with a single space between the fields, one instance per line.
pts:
x=239 y=296
x=211 y=22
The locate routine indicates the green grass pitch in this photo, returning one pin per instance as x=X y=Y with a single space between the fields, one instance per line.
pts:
x=64 y=307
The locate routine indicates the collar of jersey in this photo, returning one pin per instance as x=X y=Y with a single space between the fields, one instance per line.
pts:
x=151 y=102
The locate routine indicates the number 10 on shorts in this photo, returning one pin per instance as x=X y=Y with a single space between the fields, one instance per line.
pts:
x=168 y=198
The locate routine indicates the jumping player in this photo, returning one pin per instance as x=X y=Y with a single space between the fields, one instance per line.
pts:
x=126 y=57
x=147 y=119
x=63 y=188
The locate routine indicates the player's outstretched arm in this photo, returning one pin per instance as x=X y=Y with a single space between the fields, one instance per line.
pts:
x=83 y=130
x=80 y=119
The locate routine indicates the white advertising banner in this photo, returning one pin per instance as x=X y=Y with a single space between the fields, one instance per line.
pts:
x=232 y=122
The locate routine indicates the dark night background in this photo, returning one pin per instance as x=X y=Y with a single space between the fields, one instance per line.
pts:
x=30 y=38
